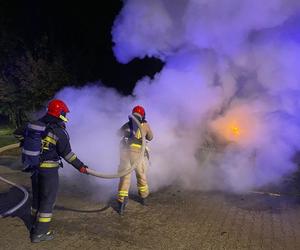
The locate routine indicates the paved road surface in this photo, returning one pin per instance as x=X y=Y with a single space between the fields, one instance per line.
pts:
x=173 y=219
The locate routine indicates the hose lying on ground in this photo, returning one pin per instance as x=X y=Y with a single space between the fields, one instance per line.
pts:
x=15 y=208
x=9 y=147
x=20 y=204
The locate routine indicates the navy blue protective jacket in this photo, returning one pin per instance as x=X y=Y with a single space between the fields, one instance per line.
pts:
x=55 y=144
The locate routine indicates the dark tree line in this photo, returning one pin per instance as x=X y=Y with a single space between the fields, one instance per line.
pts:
x=46 y=45
x=27 y=77
x=30 y=72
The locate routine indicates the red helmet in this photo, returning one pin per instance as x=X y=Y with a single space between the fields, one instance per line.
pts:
x=139 y=110
x=58 y=108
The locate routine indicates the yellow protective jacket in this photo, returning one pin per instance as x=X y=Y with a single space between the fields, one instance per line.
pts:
x=131 y=135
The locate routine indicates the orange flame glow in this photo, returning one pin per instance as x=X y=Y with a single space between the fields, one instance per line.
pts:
x=238 y=125
x=235 y=131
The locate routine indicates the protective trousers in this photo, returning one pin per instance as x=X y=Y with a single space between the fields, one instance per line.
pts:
x=44 y=190
x=34 y=201
x=127 y=159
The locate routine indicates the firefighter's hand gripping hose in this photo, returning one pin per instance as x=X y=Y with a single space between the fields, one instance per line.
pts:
x=125 y=171
x=21 y=203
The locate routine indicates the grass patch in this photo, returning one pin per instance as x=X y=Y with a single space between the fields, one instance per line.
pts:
x=6 y=136
x=6 y=131
x=7 y=139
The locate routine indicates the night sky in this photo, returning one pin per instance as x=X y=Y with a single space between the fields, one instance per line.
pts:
x=80 y=34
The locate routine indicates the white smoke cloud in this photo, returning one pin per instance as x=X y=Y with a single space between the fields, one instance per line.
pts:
x=162 y=27
x=230 y=83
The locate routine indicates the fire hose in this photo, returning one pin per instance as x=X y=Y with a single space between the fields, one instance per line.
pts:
x=134 y=165
x=93 y=172
x=90 y=170
x=22 y=202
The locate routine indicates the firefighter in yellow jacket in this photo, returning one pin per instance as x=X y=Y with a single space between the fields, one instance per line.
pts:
x=131 y=145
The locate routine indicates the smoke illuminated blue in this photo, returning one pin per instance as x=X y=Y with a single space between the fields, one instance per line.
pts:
x=226 y=62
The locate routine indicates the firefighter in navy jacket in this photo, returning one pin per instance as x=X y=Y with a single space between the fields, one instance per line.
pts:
x=45 y=179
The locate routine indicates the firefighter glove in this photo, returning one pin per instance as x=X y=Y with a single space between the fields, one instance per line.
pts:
x=83 y=169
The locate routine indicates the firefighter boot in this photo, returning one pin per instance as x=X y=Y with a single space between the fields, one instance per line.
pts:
x=144 y=201
x=28 y=169
x=32 y=222
x=36 y=238
x=122 y=205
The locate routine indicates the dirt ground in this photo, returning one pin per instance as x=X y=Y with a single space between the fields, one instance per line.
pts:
x=173 y=219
